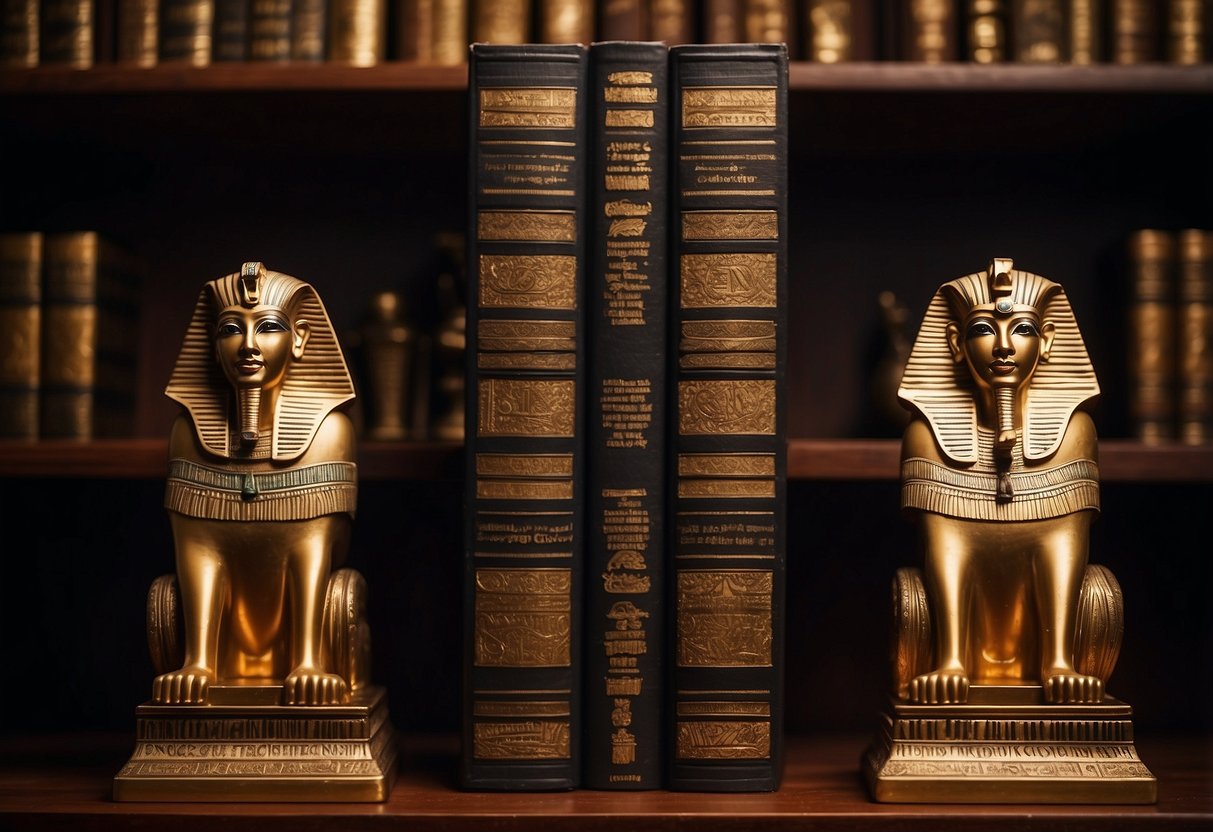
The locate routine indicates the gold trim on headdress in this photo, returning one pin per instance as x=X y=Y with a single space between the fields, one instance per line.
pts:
x=942 y=390
x=314 y=386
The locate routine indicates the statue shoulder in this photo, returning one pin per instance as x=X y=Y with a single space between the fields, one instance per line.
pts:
x=183 y=439
x=334 y=440
x=918 y=440
x=1080 y=440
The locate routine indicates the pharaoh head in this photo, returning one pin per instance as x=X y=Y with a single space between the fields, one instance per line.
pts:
x=262 y=340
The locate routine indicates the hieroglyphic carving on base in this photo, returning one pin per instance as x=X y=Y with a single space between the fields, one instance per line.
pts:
x=528 y=107
x=728 y=280
x=730 y=225
x=733 y=740
x=728 y=107
x=520 y=740
x=528 y=281
x=726 y=407
x=1014 y=729
x=523 y=617
x=724 y=618
x=249 y=768
x=526 y=407
x=527 y=226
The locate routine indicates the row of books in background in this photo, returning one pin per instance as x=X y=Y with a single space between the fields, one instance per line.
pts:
x=69 y=309
x=625 y=527
x=1171 y=339
x=84 y=33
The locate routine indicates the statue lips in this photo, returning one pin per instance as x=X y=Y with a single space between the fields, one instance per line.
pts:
x=250 y=367
x=1003 y=368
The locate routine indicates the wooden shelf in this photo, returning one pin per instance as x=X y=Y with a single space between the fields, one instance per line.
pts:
x=403 y=76
x=1121 y=460
x=65 y=782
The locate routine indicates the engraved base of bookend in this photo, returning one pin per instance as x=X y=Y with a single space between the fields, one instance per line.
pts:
x=234 y=749
x=1007 y=746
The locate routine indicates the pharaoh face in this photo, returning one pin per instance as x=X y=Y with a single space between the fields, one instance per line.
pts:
x=255 y=346
x=1001 y=351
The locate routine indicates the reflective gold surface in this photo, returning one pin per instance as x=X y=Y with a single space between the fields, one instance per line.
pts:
x=258 y=624
x=1000 y=475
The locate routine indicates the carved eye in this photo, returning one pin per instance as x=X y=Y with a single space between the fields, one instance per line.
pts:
x=1025 y=328
x=980 y=329
x=270 y=325
x=228 y=328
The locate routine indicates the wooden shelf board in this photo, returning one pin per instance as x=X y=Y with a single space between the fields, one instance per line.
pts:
x=1121 y=460
x=875 y=76
x=64 y=782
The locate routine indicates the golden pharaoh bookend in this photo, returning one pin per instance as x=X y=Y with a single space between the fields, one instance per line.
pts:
x=1003 y=641
x=259 y=640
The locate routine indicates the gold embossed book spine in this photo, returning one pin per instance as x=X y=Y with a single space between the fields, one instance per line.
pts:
x=625 y=427
x=186 y=28
x=20 y=333
x=67 y=33
x=90 y=308
x=727 y=434
x=525 y=406
x=19 y=33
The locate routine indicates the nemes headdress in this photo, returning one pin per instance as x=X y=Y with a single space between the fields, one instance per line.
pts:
x=315 y=384
x=943 y=391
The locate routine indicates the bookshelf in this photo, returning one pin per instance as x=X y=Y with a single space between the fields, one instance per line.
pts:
x=902 y=176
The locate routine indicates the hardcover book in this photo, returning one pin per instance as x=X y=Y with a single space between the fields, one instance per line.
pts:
x=722 y=21
x=67 y=33
x=449 y=28
x=1038 y=31
x=310 y=29
x=525 y=405
x=19 y=33
x=926 y=31
x=89 y=319
x=20 y=333
x=138 y=32
x=1195 y=366
x=501 y=21
x=625 y=423
x=230 y=41
x=837 y=31
x=675 y=21
x=1152 y=335
x=1135 y=31
x=270 y=30
x=1084 y=31
x=728 y=459
x=986 y=31
x=565 y=21
x=623 y=20
x=358 y=32
x=1187 y=28
x=185 y=31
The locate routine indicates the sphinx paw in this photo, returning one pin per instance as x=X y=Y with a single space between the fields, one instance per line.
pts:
x=309 y=686
x=1069 y=688
x=945 y=686
x=187 y=686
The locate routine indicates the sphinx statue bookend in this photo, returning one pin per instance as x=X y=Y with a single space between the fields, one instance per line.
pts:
x=259 y=640
x=1003 y=641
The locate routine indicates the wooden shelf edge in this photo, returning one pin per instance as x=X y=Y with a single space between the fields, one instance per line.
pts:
x=1121 y=460
x=64 y=782
x=874 y=76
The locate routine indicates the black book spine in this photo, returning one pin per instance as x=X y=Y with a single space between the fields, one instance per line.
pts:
x=524 y=442
x=728 y=459
x=231 y=40
x=625 y=423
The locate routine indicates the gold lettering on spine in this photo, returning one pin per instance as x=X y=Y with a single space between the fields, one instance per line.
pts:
x=510 y=490
x=633 y=77
x=726 y=407
x=629 y=118
x=524 y=465
x=521 y=709
x=525 y=361
x=724 y=740
x=726 y=465
x=729 y=489
x=730 y=225
x=527 y=226
x=630 y=95
x=724 y=618
x=528 y=281
x=523 y=617
x=724 y=708
x=728 y=107
x=727 y=280
x=521 y=740
x=526 y=407
x=534 y=108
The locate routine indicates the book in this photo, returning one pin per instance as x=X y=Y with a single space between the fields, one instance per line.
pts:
x=926 y=31
x=566 y=21
x=1151 y=347
x=1187 y=31
x=449 y=28
x=138 y=32
x=986 y=31
x=310 y=29
x=20 y=333
x=185 y=31
x=674 y=21
x=838 y=31
x=1135 y=31
x=728 y=426
x=66 y=33
x=89 y=326
x=768 y=21
x=358 y=32
x=625 y=419
x=623 y=20
x=722 y=21
x=1195 y=325
x=525 y=404
x=501 y=21
x=1084 y=31
x=230 y=40
x=19 y=33
x=1038 y=31
x=414 y=30
x=270 y=25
